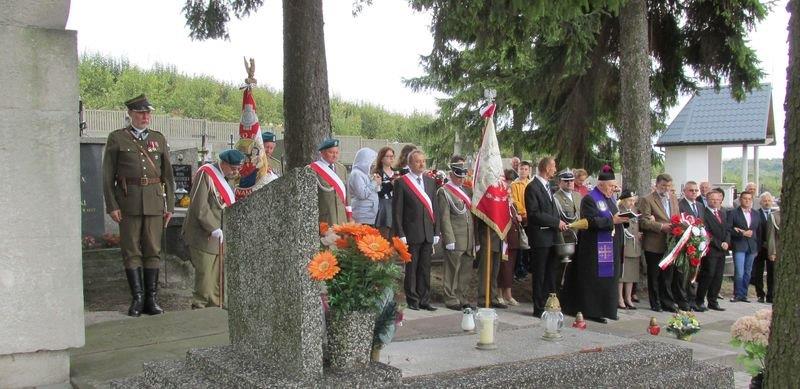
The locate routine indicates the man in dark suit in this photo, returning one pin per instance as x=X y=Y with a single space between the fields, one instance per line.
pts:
x=657 y=208
x=415 y=223
x=690 y=204
x=762 y=261
x=713 y=265
x=544 y=225
x=745 y=227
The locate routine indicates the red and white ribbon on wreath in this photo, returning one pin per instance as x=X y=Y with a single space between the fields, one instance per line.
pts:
x=676 y=251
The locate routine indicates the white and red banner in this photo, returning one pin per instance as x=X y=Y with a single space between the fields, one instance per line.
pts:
x=490 y=191
x=422 y=196
x=220 y=187
x=334 y=181
x=456 y=191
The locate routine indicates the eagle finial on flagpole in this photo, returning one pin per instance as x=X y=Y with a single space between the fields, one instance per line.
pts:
x=250 y=67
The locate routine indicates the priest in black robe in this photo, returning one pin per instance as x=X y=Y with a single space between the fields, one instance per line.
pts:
x=590 y=282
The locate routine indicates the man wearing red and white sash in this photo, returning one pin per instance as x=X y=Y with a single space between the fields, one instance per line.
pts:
x=334 y=207
x=414 y=219
x=458 y=235
x=202 y=228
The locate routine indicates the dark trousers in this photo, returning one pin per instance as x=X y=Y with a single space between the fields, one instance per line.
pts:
x=757 y=278
x=710 y=279
x=545 y=268
x=679 y=284
x=659 y=282
x=417 y=282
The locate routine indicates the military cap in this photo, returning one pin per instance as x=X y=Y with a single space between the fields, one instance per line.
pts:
x=328 y=143
x=267 y=136
x=459 y=169
x=627 y=193
x=566 y=175
x=606 y=174
x=139 y=104
x=232 y=156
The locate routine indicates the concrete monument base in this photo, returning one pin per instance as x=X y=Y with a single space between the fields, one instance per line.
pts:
x=34 y=369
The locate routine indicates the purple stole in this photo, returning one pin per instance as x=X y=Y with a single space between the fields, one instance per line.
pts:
x=605 y=242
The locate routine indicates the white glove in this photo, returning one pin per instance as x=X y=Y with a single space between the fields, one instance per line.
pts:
x=450 y=246
x=403 y=239
x=217 y=234
x=435 y=239
x=477 y=247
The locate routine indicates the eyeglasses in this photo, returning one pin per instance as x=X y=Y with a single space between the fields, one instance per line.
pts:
x=692 y=190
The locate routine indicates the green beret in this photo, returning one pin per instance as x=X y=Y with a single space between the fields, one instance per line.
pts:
x=267 y=137
x=328 y=143
x=139 y=104
x=232 y=156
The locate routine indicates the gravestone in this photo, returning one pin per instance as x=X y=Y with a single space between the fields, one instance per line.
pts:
x=92 y=203
x=275 y=315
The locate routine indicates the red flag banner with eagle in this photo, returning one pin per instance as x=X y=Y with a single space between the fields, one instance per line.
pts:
x=490 y=191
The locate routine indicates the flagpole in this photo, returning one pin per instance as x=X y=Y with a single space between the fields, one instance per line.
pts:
x=488 y=266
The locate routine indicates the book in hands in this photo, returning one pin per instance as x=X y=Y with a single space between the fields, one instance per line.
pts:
x=629 y=214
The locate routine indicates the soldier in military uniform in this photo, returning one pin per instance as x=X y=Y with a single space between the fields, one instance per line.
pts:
x=202 y=229
x=458 y=235
x=139 y=191
x=334 y=205
x=568 y=203
x=275 y=164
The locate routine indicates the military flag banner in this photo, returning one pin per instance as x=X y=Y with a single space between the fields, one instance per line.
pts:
x=490 y=191
x=255 y=171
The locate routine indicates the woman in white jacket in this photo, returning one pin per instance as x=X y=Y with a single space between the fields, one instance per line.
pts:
x=363 y=187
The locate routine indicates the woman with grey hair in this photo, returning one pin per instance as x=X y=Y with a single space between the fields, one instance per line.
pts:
x=363 y=187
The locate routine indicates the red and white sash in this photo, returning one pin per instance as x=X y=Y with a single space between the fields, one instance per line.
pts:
x=458 y=192
x=422 y=196
x=221 y=187
x=333 y=180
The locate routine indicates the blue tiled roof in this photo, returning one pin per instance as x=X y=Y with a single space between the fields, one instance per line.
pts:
x=712 y=117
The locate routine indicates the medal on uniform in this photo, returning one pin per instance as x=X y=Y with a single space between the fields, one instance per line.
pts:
x=152 y=146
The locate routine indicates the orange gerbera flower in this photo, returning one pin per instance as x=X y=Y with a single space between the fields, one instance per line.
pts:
x=353 y=229
x=323 y=228
x=323 y=266
x=342 y=243
x=374 y=247
x=402 y=249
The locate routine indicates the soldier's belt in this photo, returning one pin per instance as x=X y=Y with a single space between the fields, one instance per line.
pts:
x=142 y=181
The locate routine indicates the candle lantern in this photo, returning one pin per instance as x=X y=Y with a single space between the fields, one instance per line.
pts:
x=654 y=329
x=468 y=320
x=579 y=323
x=552 y=318
x=181 y=197
x=486 y=328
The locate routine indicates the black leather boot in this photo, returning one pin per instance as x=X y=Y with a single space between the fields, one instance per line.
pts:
x=135 y=283
x=151 y=292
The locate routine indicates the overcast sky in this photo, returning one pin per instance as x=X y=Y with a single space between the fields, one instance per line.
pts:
x=368 y=55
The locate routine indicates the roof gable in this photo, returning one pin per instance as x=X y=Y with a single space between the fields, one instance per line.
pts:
x=712 y=117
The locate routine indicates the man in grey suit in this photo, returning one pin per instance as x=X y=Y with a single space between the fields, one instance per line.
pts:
x=415 y=224
x=455 y=217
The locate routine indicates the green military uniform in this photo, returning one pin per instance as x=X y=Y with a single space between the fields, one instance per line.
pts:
x=331 y=208
x=275 y=165
x=569 y=209
x=455 y=218
x=138 y=183
x=137 y=180
x=204 y=216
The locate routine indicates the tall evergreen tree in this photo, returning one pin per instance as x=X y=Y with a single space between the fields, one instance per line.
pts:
x=560 y=61
x=783 y=353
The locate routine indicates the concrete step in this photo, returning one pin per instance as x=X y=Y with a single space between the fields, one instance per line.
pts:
x=177 y=375
x=697 y=375
x=133 y=382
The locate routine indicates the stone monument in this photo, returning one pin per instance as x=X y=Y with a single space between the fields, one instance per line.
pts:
x=41 y=313
x=275 y=314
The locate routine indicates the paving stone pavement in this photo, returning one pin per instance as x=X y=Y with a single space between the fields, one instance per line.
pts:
x=117 y=348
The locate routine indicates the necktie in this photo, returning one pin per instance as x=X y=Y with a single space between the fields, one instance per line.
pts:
x=330 y=166
x=719 y=219
x=694 y=209
x=665 y=203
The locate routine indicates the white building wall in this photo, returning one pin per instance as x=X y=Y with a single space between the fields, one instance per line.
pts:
x=686 y=163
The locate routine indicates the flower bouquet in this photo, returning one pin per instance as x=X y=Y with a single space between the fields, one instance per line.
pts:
x=752 y=334
x=686 y=244
x=359 y=269
x=683 y=325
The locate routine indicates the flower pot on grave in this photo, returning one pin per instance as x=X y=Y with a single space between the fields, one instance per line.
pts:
x=350 y=339
x=685 y=337
x=757 y=381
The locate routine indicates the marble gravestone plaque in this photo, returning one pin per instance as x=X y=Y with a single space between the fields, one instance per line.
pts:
x=92 y=202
